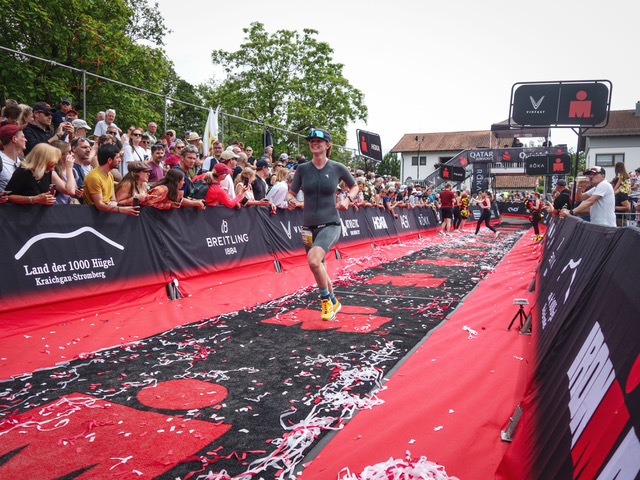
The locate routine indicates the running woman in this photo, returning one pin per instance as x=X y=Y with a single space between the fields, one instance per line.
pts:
x=485 y=204
x=319 y=181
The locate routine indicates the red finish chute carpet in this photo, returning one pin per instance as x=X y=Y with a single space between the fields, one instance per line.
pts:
x=242 y=380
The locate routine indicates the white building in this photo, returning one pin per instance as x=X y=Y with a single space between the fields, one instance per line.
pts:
x=619 y=141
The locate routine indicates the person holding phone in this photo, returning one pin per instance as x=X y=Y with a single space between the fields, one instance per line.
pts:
x=33 y=180
x=245 y=179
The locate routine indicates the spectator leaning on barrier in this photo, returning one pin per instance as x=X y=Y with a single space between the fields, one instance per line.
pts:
x=278 y=193
x=562 y=200
x=134 y=184
x=99 y=184
x=31 y=181
x=246 y=178
x=13 y=144
x=598 y=201
x=167 y=193
x=217 y=193
x=64 y=169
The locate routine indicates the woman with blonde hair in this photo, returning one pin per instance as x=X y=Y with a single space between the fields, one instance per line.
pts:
x=26 y=116
x=278 y=193
x=35 y=180
x=60 y=169
x=245 y=179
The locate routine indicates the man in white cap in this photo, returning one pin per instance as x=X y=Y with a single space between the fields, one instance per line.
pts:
x=599 y=200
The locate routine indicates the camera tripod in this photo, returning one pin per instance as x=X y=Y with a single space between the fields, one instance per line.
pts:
x=520 y=313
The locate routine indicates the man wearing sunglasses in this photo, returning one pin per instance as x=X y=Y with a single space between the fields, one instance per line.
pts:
x=40 y=130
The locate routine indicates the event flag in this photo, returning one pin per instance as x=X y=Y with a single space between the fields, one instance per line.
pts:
x=211 y=130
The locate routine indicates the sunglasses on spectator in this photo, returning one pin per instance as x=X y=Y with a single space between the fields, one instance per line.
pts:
x=48 y=114
x=169 y=133
x=112 y=133
x=136 y=134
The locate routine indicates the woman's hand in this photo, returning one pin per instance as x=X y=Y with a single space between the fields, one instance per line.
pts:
x=44 y=199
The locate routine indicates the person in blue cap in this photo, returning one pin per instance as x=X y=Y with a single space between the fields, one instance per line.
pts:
x=319 y=181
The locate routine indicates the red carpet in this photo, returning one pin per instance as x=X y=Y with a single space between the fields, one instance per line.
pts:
x=452 y=397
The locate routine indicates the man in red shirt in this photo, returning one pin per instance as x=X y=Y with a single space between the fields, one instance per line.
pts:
x=446 y=207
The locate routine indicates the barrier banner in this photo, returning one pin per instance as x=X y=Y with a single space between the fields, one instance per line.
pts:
x=198 y=242
x=354 y=229
x=65 y=253
x=581 y=409
x=380 y=223
x=50 y=255
x=513 y=208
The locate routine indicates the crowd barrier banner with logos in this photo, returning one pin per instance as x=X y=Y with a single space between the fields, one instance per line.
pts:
x=581 y=409
x=509 y=208
x=64 y=253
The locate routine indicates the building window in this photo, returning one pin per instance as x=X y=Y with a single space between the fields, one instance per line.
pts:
x=609 y=159
x=414 y=161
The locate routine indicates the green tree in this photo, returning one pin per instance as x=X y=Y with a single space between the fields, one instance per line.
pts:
x=390 y=165
x=288 y=80
x=119 y=39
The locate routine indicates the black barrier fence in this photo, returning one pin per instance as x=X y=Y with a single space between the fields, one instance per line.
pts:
x=582 y=404
x=60 y=253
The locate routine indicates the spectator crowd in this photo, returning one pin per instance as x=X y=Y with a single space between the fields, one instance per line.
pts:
x=51 y=157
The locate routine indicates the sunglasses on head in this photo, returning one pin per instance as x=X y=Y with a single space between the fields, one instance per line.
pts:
x=316 y=134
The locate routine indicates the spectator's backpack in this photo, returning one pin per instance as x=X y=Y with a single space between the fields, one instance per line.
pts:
x=199 y=190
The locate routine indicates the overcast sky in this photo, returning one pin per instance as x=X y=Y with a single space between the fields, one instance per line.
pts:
x=427 y=66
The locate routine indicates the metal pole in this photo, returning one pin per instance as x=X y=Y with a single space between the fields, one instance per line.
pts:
x=575 y=168
x=165 y=113
x=84 y=95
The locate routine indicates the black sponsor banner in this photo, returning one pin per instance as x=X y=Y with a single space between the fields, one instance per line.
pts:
x=354 y=228
x=561 y=103
x=547 y=165
x=380 y=223
x=63 y=252
x=513 y=208
x=510 y=155
x=370 y=145
x=282 y=230
x=424 y=218
x=480 y=179
x=582 y=405
x=453 y=173
x=197 y=242
x=60 y=253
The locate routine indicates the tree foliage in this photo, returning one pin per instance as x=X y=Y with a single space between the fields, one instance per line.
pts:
x=287 y=79
x=390 y=165
x=119 y=39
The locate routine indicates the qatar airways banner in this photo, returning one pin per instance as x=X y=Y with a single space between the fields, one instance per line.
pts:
x=581 y=410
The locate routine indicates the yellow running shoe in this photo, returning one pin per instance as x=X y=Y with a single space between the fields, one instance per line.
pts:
x=336 y=307
x=327 y=310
